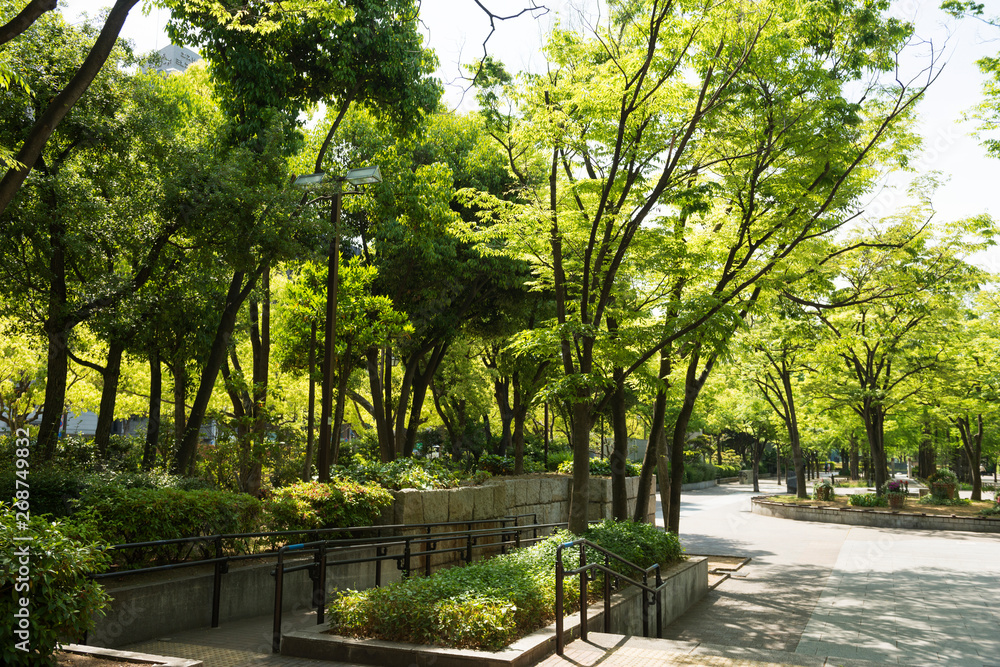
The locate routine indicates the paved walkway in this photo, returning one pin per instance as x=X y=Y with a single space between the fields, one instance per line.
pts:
x=814 y=594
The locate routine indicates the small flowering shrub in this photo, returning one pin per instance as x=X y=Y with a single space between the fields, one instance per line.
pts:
x=404 y=473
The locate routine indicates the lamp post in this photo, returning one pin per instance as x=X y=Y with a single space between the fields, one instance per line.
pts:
x=360 y=176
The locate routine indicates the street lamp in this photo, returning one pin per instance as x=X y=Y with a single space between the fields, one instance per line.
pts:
x=356 y=177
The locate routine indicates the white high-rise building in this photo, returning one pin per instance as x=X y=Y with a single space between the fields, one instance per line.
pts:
x=175 y=59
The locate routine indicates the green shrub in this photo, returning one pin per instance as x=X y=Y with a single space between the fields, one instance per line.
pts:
x=993 y=510
x=599 y=468
x=557 y=459
x=867 y=500
x=725 y=470
x=309 y=505
x=496 y=465
x=124 y=515
x=61 y=599
x=699 y=471
x=490 y=603
x=932 y=499
x=404 y=473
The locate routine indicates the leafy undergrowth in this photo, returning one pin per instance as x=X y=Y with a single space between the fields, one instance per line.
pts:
x=488 y=604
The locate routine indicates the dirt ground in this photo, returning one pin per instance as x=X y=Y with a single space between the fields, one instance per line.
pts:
x=911 y=506
x=77 y=660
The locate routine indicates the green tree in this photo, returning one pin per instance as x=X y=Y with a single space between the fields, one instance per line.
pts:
x=731 y=166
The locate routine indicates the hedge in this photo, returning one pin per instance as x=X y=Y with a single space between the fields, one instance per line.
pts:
x=308 y=505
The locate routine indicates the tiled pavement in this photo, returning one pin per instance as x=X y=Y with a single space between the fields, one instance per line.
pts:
x=814 y=594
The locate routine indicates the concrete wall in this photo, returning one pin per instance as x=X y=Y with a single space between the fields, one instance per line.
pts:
x=156 y=604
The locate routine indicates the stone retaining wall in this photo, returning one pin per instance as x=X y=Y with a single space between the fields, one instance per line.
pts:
x=879 y=518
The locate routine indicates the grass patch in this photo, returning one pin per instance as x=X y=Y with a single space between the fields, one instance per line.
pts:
x=491 y=603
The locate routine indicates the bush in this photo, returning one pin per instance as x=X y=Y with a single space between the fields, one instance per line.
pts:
x=599 y=468
x=726 y=470
x=124 y=515
x=62 y=600
x=489 y=603
x=699 y=471
x=993 y=510
x=496 y=465
x=309 y=505
x=944 y=501
x=404 y=473
x=867 y=500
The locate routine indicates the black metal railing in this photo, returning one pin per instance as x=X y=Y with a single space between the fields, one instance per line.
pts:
x=387 y=541
x=509 y=537
x=650 y=595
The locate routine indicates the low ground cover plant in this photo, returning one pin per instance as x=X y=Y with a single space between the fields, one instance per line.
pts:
x=490 y=603
x=932 y=499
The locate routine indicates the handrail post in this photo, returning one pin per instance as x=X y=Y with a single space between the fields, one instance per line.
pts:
x=607 y=594
x=468 y=543
x=279 y=571
x=319 y=584
x=645 y=605
x=659 y=604
x=217 y=582
x=406 y=556
x=583 y=594
x=379 y=551
x=559 y=600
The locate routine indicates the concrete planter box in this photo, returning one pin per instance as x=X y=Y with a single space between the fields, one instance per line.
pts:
x=880 y=518
x=687 y=583
x=128 y=656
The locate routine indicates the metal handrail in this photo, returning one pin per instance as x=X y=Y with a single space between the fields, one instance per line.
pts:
x=317 y=569
x=585 y=570
x=509 y=527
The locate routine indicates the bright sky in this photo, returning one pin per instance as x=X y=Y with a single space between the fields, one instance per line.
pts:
x=457 y=28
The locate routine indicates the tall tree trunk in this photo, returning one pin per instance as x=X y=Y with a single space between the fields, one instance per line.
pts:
x=926 y=456
x=649 y=459
x=57 y=331
x=180 y=394
x=381 y=407
x=693 y=384
x=972 y=443
x=109 y=395
x=520 y=412
x=155 y=401
x=855 y=462
x=579 y=504
x=338 y=413
x=311 y=418
x=619 y=454
x=501 y=391
x=237 y=294
x=874 y=419
x=792 y=423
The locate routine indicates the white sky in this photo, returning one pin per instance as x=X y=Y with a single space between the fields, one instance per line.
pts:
x=457 y=28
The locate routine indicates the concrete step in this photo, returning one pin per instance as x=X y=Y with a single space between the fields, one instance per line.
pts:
x=609 y=650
